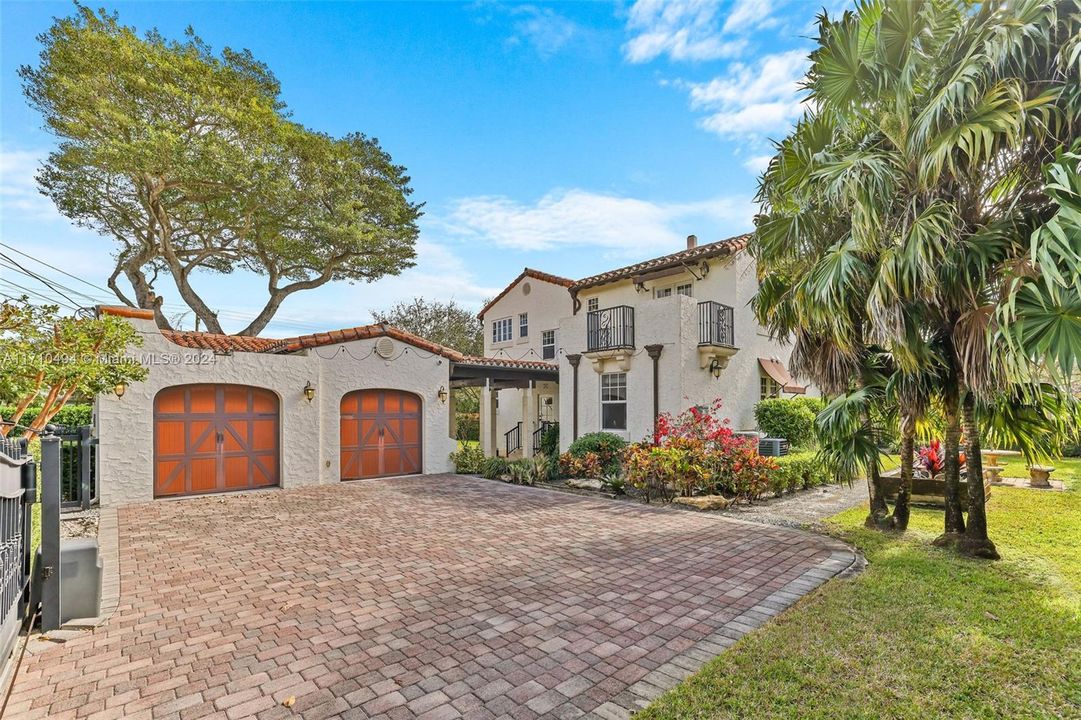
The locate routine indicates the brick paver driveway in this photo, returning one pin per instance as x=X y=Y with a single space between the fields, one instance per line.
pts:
x=432 y=597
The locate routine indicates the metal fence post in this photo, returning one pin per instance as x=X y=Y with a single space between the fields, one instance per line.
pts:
x=50 y=532
x=84 y=467
x=30 y=496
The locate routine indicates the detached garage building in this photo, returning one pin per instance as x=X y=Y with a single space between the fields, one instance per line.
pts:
x=221 y=413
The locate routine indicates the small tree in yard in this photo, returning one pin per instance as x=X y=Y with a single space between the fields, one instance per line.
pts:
x=189 y=162
x=48 y=359
x=446 y=323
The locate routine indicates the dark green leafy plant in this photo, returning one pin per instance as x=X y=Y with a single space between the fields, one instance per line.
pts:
x=607 y=447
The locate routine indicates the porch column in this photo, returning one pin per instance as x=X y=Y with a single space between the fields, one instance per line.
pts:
x=490 y=431
x=529 y=421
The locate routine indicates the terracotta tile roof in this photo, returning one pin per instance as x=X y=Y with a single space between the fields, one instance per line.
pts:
x=363 y=332
x=721 y=248
x=124 y=311
x=218 y=343
x=507 y=363
x=528 y=272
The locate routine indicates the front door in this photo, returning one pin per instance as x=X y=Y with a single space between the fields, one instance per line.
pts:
x=380 y=434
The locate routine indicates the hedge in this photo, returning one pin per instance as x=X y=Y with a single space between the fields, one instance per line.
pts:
x=68 y=415
x=792 y=419
x=798 y=471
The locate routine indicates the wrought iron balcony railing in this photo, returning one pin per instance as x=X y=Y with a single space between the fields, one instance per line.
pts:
x=716 y=324
x=610 y=329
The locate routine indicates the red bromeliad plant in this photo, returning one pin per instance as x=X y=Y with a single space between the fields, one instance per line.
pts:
x=933 y=458
x=696 y=452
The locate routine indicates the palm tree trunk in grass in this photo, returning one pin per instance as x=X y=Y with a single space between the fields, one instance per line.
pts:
x=901 y=508
x=975 y=543
x=879 y=511
x=955 y=521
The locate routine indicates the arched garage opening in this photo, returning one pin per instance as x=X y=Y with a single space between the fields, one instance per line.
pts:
x=380 y=434
x=215 y=438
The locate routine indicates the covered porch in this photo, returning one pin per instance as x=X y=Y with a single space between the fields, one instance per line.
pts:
x=519 y=400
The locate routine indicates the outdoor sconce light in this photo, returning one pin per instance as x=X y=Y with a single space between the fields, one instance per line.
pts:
x=119 y=389
x=309 y=391
x=715 y=367
x=442 y=394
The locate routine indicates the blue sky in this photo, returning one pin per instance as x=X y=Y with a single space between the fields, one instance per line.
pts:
x=569 y=137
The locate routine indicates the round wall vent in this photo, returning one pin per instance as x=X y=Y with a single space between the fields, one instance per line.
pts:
x=384 y=347
x=526 y=288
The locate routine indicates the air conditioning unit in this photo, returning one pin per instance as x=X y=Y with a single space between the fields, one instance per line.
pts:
x=773 y=447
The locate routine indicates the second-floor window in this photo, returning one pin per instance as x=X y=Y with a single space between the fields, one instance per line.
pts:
x=523 y=325
x=614 y=401
x=593 y=304
x=682 y=289
x=548 y=344
x=501 y=330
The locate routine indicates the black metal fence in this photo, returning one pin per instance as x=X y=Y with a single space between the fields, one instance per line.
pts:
x=538 y=434
x=513 y=439
x=78 y=461
x=716 y=324
x=18 y=491
x=610 y=329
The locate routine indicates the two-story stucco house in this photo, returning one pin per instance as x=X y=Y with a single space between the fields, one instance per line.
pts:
x=658 y=336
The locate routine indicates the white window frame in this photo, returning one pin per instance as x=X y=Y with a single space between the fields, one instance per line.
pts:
x=523 y=325
x=614 y=382
x=547 y=335
x=593 y=304
x=502 y=330
x=686 y=289
x=768 y=388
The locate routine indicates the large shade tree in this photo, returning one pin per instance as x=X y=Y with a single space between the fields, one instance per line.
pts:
x=189 y=161
x=918 y=167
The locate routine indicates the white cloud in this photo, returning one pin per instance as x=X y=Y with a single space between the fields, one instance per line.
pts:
x=582 y=219
x=753 y=99
x=543 y=28
x=693 y=30
x=757 y=164
x=18 y=189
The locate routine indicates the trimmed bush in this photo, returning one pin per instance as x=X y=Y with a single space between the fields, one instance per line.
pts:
x=607 y=447
x=69 y=415
x=493 y=467
x=468 y=459
x=798 y=471
x=790 y=419
x=549 y=444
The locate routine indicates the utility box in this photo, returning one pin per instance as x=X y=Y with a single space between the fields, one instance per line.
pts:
x=80 y=579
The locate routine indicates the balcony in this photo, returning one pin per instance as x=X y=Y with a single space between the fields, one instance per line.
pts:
x=716 y=324
x=716 y=336
x=610 y=329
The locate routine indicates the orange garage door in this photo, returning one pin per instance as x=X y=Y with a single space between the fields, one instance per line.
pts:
x=380 y=433
x=214 y=438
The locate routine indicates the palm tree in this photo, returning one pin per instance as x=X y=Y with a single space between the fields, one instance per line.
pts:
x=921 y=156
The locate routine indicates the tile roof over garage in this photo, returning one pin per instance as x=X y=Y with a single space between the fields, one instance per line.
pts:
x=239 y=343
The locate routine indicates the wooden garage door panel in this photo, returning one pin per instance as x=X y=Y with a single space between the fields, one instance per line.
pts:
x=213 y=438
x=380 y=434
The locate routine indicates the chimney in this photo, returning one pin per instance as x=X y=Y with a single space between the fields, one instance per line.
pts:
x=692 y=242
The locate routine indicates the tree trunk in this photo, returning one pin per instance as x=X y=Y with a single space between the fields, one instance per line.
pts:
x=976 y=542
x=879 y=510
x=902 y=509
x=955 y=520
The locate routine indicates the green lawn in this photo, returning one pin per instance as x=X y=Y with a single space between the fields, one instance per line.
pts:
x=920 y=633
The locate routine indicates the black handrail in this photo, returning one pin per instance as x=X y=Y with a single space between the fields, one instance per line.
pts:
x=538 y=434
x=716 y=324
x=610 y=329
x=513 y=439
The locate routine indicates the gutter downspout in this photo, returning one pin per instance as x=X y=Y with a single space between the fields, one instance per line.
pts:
x=655 y=354
x=574 y=360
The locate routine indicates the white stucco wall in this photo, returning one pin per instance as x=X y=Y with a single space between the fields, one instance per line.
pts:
x=309 y=432
x=546 y=303
x=673 y=323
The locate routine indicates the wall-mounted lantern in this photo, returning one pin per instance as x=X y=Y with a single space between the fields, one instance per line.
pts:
x=119 y=389
x=309 y=391
x=715 y=367
x=442 y=394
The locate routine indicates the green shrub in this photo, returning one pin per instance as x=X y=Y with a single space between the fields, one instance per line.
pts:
x=69 y=415
x=521 y=472
x=798 y=471
x=468 y=426
x=549 y=444
x=468 y=458
x=587 y=465
x=790 y=419
x=607 y=447
x=493 y=467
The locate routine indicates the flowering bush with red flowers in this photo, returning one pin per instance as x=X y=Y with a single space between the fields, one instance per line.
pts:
x=697 y=452
x=932 y=458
